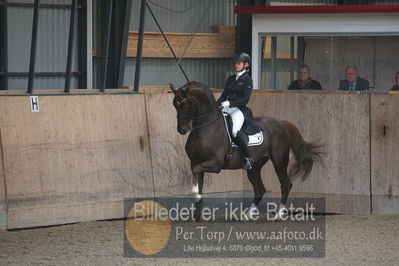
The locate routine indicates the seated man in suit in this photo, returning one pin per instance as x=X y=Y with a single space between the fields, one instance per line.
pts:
x=304 y=81
x=396 y=86
x=352 y=81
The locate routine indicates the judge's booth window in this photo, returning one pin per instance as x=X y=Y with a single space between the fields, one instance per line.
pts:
x=375 y=57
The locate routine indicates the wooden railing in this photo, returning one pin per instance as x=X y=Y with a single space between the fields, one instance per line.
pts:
x=81 y=155
x=218 y=44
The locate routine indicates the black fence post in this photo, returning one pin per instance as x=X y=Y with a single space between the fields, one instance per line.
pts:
x=123 y=45
x=82 y=44
x=103 y=73
x=33 y=46
x=70 y=47
x=3 y=47
x=139 y=47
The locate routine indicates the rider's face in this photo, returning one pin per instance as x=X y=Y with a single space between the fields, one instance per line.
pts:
x=239 y=66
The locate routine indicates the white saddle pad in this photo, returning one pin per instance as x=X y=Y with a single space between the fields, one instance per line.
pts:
x=254 y=140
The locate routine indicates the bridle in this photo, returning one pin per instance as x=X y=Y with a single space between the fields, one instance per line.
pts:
x=192 y=119
x=184 y=100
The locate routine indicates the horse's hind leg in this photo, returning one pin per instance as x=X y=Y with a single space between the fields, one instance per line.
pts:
x=255 y=178
x=285 y=183
x=280 y=163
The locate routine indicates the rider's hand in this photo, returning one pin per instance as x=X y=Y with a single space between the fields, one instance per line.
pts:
x=225 y=104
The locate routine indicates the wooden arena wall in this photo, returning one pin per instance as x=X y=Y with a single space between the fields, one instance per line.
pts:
x=384 y=113
x=81 y=155
x=339 y=121
x=76 y=159
x=360 y=173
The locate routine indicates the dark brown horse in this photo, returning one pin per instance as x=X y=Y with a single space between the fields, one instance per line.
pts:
x=208 y=143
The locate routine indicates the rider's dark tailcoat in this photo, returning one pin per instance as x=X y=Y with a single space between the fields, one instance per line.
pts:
x=238 y=92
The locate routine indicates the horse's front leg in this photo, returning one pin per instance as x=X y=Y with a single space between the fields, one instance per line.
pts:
x=198 y=171
x=198 y=183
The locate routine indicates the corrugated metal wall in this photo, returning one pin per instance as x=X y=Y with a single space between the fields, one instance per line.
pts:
x=176 y=16
x=52 y=44
x=183 y=15
x=186 y=16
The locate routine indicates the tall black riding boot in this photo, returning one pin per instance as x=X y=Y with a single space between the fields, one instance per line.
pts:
x=242 y=142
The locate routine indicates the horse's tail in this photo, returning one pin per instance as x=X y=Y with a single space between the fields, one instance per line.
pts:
x=305 y=153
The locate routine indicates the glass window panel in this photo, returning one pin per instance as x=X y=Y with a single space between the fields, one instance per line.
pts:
x=386 y=62
x=317 y=55
x=283 y=62
x=357 y=51
x=376 y=59
x=265 y=69
x=279 y=61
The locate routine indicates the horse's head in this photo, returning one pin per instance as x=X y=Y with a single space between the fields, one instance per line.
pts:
x=190 y=101
x=185 y=107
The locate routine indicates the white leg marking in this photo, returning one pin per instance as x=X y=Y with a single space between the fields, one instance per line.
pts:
x=195 y=189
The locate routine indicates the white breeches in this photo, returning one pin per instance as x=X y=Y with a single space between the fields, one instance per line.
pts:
x=237 y=117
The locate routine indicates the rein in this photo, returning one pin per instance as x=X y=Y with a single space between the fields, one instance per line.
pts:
x=205 y=115
x=196 y=118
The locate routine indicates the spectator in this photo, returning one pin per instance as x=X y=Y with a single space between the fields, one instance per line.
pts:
x=396 y=86
x=304 y=81
x=352 y=81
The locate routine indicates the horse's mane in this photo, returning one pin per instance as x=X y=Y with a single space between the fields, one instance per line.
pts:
x=201 y=86
x=196 y=84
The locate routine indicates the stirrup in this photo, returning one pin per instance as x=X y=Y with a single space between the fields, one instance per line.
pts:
x=247 y=163
x=229 y=154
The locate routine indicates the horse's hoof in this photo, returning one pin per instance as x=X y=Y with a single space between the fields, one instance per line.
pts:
x=198 y=198
x=195 y=189
x=249 y=215
x=282 y=213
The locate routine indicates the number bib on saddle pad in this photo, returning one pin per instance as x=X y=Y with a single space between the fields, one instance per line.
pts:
x=255 y=138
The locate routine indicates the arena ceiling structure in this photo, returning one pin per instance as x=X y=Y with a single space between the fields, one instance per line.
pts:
x=66 y=44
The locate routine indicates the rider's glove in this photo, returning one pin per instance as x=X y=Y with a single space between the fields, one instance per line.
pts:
x=225 y=104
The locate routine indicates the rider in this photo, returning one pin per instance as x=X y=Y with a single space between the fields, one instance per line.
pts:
x=234 y=98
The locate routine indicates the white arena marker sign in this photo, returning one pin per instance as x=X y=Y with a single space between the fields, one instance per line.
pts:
x=34 y=103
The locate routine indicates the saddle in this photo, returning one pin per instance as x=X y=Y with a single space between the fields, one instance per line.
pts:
x=252 y=130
